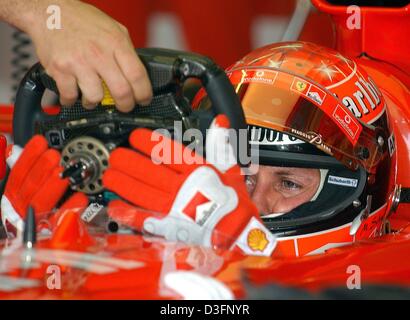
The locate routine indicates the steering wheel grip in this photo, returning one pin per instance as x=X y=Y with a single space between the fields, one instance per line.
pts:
x=27 y=108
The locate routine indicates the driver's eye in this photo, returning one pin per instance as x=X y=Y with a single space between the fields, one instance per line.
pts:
x=290 y=185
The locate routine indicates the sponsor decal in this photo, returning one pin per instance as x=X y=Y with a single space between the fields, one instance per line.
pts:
x=364 y=100
x=92 y=210
x=344 y=119
x=314 y=138
x=342 y=181
x=308 y=90
x=200 y=208
x=257 y=240
x=300 y=86
x=265 y=136
x=347 y=122
x=317 y=94
x=204 y=211
x=257 y=76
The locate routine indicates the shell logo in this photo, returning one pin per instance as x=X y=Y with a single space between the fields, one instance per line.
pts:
x=257 y=240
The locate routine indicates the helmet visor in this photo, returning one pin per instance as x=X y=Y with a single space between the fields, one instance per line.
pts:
x=301 y=108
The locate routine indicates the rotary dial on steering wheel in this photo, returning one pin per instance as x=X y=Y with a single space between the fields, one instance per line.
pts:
x=85 y=159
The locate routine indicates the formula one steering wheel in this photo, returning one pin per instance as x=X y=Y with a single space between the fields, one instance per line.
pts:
x=85 y=138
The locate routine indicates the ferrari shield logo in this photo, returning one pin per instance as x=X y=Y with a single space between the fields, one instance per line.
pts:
x=300 y=86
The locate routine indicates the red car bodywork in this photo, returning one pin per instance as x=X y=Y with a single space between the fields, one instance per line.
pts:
x=135 y=266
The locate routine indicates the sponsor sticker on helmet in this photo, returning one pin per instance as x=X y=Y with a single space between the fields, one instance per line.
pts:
x=300 y=86
x=254 y=76
x=265 y=136
x=308 y=90
x=347 y=122
x=344 y=119
x=362 y=97
x=316 y=94
x=314 y=138
x=342 y=181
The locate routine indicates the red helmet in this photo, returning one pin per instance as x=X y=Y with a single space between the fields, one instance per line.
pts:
x=325 y=152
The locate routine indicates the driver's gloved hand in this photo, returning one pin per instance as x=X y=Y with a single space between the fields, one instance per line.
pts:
x=204 y=203
x=34 y=180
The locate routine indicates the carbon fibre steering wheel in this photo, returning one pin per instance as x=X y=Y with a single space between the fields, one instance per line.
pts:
x=86 y=137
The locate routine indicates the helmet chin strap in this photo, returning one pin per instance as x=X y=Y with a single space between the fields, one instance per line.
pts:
x=323 y=174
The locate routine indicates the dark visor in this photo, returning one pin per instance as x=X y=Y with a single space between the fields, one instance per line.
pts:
x=303 y=109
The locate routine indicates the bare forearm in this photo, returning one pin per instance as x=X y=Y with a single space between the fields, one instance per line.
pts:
x=27 y=15
x=20 y=13
x=86 y=48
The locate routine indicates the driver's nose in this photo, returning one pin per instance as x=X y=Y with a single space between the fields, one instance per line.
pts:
x=266 y=200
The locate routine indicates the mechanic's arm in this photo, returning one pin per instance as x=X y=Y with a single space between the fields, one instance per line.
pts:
x=90 y=46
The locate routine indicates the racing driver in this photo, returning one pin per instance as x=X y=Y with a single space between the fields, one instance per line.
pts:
x=324 y=169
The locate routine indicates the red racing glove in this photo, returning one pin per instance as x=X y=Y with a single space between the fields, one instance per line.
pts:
x=194 y=203
x=34 y=180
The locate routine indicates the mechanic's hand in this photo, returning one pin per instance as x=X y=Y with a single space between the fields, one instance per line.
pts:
x=193 y=203
x=90 y=47
x=34 y=180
